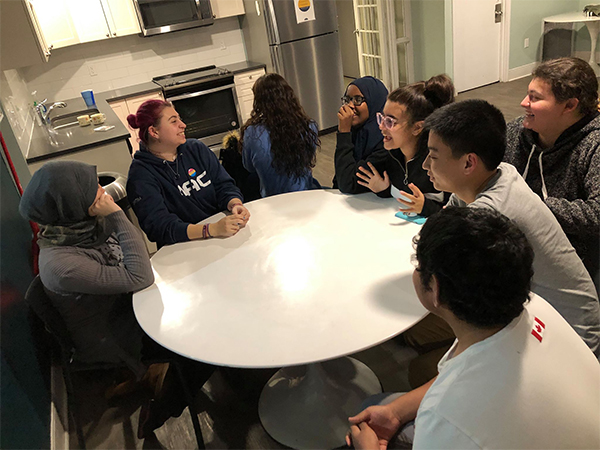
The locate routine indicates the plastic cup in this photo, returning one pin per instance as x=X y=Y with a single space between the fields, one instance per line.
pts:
x=88 y=97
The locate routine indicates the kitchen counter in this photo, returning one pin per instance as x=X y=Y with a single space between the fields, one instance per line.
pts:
x=244 y=66
x=46 y=143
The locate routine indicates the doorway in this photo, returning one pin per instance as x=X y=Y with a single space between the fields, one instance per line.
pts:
x=479 y=45
x=375 y=40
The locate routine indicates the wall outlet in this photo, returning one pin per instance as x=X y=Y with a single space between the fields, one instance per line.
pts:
x=526 y=43
x=92 y=70
x=223 y=46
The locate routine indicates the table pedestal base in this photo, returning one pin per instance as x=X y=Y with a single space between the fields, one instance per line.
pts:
x=307 y=407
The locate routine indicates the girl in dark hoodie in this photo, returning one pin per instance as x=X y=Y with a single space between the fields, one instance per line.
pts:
x=175 y=182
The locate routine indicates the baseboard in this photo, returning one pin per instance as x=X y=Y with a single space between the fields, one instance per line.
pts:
x=521 y=71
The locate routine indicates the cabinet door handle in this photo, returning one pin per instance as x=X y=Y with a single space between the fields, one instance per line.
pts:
x=114 y=33
x=107 y=34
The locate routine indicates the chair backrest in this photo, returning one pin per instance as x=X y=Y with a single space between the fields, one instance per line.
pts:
x=42 y=306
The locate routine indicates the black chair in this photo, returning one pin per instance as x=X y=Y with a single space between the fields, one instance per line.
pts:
x=42 y=306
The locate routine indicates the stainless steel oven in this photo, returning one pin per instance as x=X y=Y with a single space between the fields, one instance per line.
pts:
x=163 y=16
x=206 y=100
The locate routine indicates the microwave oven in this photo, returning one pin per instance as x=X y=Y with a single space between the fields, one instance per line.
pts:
x=164 y=16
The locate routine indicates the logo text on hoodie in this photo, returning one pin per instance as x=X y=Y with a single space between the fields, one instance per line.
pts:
x=195 y=184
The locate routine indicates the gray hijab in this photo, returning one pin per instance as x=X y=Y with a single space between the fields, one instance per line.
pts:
x=57 y=198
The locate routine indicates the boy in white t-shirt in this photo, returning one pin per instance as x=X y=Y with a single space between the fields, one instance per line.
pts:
x=518 y=376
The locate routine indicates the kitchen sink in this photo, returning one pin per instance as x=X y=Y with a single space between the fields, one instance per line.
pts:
x=70 y=119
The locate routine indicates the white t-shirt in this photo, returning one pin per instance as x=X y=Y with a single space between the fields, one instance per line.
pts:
x=534 y=384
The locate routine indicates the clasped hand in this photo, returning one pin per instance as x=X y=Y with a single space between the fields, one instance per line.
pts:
x=230 y=225
x=373 y=428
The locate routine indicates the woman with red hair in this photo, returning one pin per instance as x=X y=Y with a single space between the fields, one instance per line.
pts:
x=175 y=182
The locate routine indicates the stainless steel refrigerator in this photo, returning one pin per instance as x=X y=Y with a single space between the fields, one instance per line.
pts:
x=306 y=54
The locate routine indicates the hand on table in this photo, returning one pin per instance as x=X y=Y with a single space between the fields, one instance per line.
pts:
x=241 y=211
x=415 y=202
x=103 y=206
x=345 y=115
x=227 y=226
x=381 y=426
x=372 y=179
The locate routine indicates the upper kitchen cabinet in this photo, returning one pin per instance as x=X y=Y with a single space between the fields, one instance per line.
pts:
x=102 y=19
x=55 y=22
x=22 y=42
x=227 y=8
x=121 y=17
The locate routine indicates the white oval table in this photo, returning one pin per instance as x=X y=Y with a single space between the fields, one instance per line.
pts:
x=314 y=276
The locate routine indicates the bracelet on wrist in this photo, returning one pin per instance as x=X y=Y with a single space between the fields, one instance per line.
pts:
x=205 y=231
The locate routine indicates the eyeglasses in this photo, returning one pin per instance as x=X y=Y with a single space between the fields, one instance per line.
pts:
x=387 y=121
x=357 y=100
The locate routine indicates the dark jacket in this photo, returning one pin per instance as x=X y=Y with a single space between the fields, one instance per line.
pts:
x=346 y=166
x=400 y=172
x=570 y=172
x=168 y=196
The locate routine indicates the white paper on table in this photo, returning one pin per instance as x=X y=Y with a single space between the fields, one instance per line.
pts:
x=305 y=10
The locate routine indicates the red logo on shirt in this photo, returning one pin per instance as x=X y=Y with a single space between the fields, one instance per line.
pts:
x=538 y=329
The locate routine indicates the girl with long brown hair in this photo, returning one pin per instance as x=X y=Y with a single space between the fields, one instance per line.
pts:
x=279 y=141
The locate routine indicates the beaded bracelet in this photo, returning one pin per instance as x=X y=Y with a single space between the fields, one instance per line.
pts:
x=205 y=232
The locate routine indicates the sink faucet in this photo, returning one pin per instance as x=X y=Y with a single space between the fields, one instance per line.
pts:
x=44 y=112
x=51 y=107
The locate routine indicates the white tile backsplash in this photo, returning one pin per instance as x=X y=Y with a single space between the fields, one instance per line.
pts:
x=130 y=60
x=17 y=103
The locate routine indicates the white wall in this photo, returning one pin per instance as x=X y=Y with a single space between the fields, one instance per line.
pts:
x=130 y=60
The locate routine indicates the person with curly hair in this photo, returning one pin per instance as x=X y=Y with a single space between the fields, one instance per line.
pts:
x=401 y=175
x=279 y=141
x=175 y=182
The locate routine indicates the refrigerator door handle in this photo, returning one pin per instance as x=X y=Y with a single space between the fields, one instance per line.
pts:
x=276 y=59
x=271 y=21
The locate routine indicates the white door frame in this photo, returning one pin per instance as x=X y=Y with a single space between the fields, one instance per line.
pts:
x=504 y=39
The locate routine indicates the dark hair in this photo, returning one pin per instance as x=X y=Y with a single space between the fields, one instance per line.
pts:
x=471 y=126
x=424 y=97
x=147 y=115
x=293 y=141
x=571 y=78
x=482 y=262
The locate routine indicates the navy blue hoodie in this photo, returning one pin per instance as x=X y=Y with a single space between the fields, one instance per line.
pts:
x=168 y=196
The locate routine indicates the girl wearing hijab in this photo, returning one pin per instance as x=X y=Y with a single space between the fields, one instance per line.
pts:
x=279 y=141
x=175 y=182
x=358 y=137
x=91 y=260
x=401 y=174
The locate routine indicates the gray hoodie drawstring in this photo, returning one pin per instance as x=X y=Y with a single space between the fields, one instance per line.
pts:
x=544 y=190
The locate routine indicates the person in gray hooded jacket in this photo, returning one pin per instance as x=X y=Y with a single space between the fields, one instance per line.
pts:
x=555 y=147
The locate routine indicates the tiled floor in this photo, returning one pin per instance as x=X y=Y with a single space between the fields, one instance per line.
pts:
x=228 y=401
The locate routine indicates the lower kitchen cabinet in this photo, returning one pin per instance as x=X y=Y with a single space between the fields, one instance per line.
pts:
x=243 y=87
x=113 y=157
